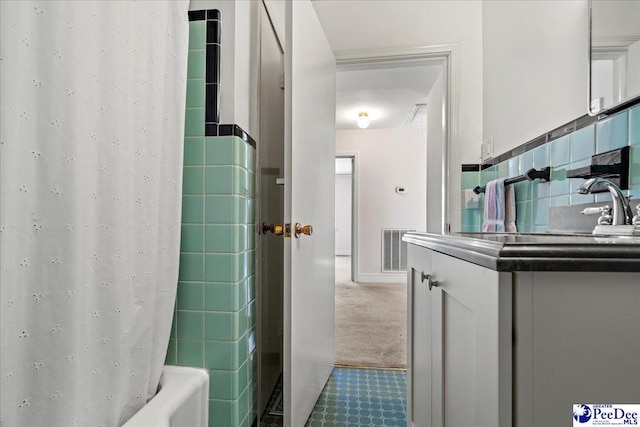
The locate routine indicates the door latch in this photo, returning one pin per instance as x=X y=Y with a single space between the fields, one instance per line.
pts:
x=274 y=228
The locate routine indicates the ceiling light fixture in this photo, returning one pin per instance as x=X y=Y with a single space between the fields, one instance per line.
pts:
x=363 y=120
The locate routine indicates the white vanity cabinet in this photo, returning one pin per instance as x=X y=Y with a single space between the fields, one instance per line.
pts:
x=518 y=347
x=459 y=370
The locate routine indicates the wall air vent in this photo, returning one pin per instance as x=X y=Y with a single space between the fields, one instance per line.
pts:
x=417 y=116
x=394 y=250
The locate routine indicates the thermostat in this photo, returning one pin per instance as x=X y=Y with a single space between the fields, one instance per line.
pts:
x=401 y=190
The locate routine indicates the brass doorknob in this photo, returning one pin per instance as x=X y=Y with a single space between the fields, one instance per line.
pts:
x=274 y=228
x=303 y=229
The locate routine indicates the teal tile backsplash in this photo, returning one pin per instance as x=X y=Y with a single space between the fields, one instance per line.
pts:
x=214 y=322
x=612 y=132
x=583 y=144
x=560 y=151
x=634 y=125
x=540 y=157
x=634 y=164
x=574 y=150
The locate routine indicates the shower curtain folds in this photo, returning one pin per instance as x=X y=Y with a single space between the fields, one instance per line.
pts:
x=92 y=122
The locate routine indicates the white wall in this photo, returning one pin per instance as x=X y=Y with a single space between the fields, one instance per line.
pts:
x=602 y=77
x=277 y=14
x=615 y=18
x=633 y=70
x=534 y=68
x=343 y=214
x=385 y=159
x=383 y=24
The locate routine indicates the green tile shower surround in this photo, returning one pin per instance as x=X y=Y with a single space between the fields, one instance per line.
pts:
x=214 y=321
x=572 y=150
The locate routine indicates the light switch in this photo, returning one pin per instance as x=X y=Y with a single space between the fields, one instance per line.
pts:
x=486 y=151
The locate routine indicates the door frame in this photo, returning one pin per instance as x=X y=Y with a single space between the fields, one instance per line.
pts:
x=448 y=200
x=354 y=211
x=263 y=6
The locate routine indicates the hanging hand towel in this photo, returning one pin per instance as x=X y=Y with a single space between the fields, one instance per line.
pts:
x=510 y=209
x=499 y=207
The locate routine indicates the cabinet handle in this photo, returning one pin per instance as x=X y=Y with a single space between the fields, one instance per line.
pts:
x=430 y=281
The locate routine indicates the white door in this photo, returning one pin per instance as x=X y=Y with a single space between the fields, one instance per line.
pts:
x=309 y=282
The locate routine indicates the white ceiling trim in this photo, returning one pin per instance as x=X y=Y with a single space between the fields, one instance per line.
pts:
x=405 y=54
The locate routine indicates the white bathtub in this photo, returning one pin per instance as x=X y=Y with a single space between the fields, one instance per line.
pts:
x=183 y=400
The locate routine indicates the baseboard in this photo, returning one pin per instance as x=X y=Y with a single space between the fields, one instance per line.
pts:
x=382 y=278
x=343 y=252
x=373 y=368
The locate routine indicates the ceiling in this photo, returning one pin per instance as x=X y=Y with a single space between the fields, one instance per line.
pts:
x=391 y=95
x=388 y=93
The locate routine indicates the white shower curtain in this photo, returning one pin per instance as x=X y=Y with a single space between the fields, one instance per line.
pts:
x=92 y=97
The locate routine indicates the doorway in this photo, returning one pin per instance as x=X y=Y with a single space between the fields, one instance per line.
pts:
x=443 y=205
x=402 y=97
x=345 y=207
x=442 y=171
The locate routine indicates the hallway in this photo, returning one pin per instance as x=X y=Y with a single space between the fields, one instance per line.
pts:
x=371 y=321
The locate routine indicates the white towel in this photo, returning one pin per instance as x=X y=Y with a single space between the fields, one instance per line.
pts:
x=510 y=209
x=499 y=207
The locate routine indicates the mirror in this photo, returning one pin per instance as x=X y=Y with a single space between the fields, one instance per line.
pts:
x=614 y=69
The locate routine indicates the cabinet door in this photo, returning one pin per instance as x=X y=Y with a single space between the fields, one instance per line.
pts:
x=471 y=340
x=418 y=339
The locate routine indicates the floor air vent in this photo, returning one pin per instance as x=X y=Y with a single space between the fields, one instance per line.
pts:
x=275 y=406
x=394 y=251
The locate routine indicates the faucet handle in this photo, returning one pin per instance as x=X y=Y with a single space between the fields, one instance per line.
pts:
x=595 y=210
x=636 y=219
x=604 y=211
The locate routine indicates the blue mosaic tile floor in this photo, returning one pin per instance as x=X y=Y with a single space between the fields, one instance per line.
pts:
x=358 y=398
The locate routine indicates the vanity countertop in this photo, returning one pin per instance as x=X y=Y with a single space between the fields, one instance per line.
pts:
x=536 y=251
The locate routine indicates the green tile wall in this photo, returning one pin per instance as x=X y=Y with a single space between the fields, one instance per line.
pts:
x=533 y=199
x=214 y=321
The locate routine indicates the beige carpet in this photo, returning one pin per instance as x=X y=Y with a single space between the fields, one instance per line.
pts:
x=371 y=321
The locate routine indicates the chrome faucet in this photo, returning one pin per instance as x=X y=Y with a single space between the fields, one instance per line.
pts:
x=621 y=210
